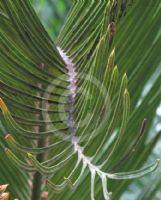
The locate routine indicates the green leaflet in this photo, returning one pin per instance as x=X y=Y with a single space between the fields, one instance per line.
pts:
x=18 y=162
x=135 y=174
x=48 y=170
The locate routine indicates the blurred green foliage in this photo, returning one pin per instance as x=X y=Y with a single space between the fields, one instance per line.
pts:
x=52 y=13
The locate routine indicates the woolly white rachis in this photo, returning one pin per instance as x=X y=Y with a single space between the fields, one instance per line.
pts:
x=87 y=161
x=72 y=88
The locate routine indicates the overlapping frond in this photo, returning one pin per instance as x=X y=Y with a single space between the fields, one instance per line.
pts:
x=66 y=107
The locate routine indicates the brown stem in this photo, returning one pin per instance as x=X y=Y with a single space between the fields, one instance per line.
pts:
x=37 y=178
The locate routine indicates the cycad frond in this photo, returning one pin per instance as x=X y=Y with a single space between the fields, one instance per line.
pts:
x=67 y=105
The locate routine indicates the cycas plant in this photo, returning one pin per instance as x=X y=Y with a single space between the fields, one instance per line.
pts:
x=66 y=105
